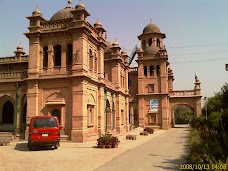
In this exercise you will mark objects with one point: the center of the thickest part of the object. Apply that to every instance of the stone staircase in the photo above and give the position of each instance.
(6, 135)
(64, 138)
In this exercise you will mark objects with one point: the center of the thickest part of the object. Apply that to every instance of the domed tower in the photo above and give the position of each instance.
(152, 78)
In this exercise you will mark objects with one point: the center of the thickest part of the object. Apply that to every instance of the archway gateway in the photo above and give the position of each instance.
(8, 113)
(183, 114)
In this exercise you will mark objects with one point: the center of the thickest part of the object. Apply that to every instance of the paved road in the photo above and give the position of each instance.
(69, 156)
(165, 152)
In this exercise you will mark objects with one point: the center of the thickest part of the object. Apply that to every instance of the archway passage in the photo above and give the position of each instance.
(57, 113)
(183, 114)
(8, 113)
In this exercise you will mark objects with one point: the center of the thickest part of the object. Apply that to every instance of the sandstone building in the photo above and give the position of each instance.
(73, 72)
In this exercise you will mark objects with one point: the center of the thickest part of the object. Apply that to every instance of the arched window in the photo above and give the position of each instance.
(151, 70)
(158, 70)
(158, 42)
(90, 60)
(57, 113)
(8, 113)
(69, 54)
(150, 41)
(57, 55)
(95, 60)
(45, 56)
(143, 44)
(145, 70)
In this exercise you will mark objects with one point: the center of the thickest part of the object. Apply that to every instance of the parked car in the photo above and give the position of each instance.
(44, 131)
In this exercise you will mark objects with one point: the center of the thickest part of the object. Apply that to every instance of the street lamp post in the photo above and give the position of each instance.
(205, 98)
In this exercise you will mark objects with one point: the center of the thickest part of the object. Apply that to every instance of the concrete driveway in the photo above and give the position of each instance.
(163, 153)
(87, 157)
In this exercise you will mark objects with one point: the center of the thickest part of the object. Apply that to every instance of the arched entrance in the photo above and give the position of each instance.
(57, 113)
(8, 113)
(182, 114)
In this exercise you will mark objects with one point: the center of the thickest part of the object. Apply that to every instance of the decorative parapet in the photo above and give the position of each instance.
(21, 74)
(182, 93)
(13, 59)
(55, 25)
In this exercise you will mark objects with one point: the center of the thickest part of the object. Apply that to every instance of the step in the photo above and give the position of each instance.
(153, 126)
(6, 135)
(64, 138)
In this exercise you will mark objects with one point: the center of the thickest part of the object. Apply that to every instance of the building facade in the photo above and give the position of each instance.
(66, 74)
(153, 100)
(73, 72)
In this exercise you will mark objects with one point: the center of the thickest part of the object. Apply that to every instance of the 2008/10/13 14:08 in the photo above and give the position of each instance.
(202, 166)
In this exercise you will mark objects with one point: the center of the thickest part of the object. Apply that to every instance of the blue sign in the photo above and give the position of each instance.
(154, 105)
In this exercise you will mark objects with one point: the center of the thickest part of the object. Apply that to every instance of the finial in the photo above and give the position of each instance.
(97, 19)
(80, 1)
(196, 76)
(150, 20)
(69, 3)
(115, 39)
(37, 7)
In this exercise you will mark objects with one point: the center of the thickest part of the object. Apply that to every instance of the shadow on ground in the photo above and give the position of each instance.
(24, 147)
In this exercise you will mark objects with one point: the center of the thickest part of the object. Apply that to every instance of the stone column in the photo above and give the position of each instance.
(132, 115)
(109, 120)
(63, 59)
(100, 62)
(141, 112)
(50, 58)
(118, 114)
(42, 59)
(164, 112)
(101, 111)
(32, 103)
(127, 114)
(79, 111)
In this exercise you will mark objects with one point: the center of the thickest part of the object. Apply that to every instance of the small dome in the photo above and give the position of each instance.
(62, 14)
(124, 53)
(36, 11)
(151, 28)
(152, 50)
(115, 44)
(98, 24)
(19, 47)
(80, 6)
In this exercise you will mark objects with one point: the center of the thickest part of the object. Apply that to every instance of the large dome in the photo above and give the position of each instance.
(62, 14)
(151, 28)
(152, 50)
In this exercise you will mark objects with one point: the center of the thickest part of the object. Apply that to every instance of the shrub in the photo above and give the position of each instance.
(115, 140)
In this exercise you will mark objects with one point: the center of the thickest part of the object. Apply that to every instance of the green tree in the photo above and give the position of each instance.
(183, 115)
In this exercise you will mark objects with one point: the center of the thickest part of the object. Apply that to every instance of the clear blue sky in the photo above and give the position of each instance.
(196, 31)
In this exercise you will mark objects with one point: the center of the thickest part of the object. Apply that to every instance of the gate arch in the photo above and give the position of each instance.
(177, 106)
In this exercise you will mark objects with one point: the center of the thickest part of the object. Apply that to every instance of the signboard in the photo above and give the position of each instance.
(154, 105)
